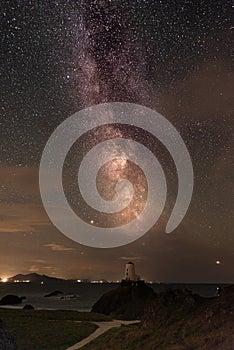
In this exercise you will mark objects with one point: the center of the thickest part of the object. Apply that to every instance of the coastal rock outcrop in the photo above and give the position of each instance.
(28, 307)
(179, 320)
(55, 293)
(11, 299)
(169, 306)
(128, 301)
(204, 323)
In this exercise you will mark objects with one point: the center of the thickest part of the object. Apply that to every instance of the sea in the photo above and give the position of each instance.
(82, 296)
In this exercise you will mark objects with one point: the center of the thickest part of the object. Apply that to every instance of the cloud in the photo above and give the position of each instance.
(16, 180)
(39, 261)
(33, 268)
(20, 204)
(132, 258)
(21, 217)
(41, 269)
(58, 247)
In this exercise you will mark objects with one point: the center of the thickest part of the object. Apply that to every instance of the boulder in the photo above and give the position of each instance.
(11, 300)
(28, 307)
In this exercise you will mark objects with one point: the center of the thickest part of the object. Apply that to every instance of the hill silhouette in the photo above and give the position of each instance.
(34, 277)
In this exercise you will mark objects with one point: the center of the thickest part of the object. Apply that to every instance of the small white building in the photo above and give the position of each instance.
(130, 274)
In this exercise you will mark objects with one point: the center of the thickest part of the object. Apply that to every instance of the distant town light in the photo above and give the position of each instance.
(21, 281)
(4, 280)
(218, 262)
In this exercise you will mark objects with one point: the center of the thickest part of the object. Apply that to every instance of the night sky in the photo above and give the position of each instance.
(58, 57)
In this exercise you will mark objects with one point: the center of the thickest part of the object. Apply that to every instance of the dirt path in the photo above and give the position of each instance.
(102, 328)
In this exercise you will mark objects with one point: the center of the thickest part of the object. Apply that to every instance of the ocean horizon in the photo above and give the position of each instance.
(82, 296)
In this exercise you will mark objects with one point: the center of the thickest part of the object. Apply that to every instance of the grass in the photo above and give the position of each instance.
(47, 329)
(177, 328)
(134, 338)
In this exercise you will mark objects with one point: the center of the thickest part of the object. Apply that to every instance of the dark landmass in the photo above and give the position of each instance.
(7, 339)
(34, 277)
(128, 301)
(178, 320)
(53, 294)
(11, 300)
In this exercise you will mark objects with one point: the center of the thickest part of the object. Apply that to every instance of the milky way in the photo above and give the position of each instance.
(110, 57)
(58, 57)
(110, 67)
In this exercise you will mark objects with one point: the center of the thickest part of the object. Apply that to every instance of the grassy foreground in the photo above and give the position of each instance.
(132, 337)
(177, 320)
(49, 330)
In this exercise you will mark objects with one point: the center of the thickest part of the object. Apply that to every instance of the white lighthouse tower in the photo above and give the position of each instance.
(130, 274)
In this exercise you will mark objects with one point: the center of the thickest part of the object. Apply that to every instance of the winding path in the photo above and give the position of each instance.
(102, 328)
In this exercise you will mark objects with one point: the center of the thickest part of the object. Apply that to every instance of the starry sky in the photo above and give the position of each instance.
(58, 57)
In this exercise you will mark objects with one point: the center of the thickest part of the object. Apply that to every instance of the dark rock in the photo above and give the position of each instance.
(70, 297)
(127, 301)
(28, 307)
(169, 307)
(11, 300)
(54, 294)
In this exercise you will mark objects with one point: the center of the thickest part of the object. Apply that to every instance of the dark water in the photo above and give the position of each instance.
(88, 293)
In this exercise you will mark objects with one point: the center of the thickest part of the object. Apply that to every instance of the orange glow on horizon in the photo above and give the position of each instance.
(4, 280)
